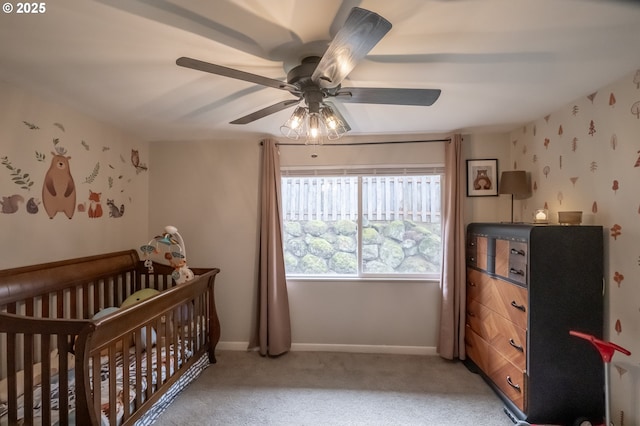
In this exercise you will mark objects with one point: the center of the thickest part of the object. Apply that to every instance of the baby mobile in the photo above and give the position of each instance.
(176, 254)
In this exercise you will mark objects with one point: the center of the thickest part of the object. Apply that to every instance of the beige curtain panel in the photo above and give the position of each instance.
(272, 335)
(452, 280)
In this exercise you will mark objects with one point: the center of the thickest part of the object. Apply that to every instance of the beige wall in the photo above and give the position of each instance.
(586, 156)
(494, 208)
(29, 237)
(210, 192)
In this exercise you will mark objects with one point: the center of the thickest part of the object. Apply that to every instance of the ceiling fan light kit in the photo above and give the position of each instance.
(319, 78)
(313, 125)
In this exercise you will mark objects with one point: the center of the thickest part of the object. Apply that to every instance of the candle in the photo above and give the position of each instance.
(541, 215)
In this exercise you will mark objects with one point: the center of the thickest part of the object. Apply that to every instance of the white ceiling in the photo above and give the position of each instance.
(499, 63)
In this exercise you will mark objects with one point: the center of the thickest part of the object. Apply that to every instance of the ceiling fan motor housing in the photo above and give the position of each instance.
(300, 77)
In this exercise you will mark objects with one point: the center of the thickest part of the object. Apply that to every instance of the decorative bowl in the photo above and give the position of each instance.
(570, 218)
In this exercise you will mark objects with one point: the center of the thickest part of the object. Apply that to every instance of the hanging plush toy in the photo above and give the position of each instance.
(175, 255)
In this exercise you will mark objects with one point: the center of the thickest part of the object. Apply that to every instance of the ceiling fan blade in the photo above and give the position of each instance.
(233, 73)
(272, 109)
(388, 96)
(362, 30)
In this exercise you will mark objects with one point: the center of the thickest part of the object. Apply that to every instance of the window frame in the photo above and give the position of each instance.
(360, 172)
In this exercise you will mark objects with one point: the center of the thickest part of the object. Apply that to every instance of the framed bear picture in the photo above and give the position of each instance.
(482, 178)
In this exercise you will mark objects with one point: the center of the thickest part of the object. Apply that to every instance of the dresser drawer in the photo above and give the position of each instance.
(505, 336)
(508, 377)
(511, 379)
(511, 260)
(477, 348)
(506, 299)
(477, 251)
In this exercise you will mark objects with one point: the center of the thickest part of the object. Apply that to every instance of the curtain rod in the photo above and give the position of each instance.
(362, 143)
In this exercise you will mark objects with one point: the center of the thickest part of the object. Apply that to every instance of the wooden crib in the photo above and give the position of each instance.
(62, 366)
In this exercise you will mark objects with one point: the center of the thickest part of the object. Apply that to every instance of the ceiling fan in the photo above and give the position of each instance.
(318, 79)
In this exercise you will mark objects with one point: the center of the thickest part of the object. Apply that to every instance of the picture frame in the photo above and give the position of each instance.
(482, 177)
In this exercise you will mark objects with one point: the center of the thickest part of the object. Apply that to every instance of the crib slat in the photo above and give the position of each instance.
(138, 350)
(96, 296)
(112, 383)
(159, 339)
(63, 383)
(11, 378)
(28, 375)
(46, 377)
(125, 375)
(95, 374)
(177, 320)
(85, 299)
(60, 304)
(73, 308)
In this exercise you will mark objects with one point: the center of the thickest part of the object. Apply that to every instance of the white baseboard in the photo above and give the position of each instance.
(325, 347)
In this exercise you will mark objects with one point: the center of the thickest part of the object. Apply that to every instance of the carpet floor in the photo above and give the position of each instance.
(328, 388)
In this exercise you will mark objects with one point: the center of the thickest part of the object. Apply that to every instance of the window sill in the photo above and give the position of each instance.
(365, 279)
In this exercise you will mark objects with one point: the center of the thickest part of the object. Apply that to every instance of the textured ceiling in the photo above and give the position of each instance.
(499, 63)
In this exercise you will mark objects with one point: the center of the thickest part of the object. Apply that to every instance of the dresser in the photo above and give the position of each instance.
(527, 286)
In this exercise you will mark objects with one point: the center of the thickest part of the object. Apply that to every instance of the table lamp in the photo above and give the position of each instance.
(515, 183)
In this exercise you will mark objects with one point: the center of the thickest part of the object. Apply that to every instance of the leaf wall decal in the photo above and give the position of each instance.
(616, 231)
(618, 278)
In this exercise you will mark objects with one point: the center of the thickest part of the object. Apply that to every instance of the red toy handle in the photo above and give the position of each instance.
(606, 349)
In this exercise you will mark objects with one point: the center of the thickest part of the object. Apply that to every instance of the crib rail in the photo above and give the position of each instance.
(47, 309)
(22, 335)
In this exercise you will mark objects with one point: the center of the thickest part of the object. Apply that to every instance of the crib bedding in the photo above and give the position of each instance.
(162, 366)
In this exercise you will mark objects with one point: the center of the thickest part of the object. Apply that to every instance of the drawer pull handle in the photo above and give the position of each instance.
(471, 314)
(472, 259)
(513, 385)
(515, 345)
(519, 307)
(516, 271)
(472, 284)
(518, 252)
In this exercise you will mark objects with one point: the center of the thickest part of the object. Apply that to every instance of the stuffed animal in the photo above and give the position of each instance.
(182, 273)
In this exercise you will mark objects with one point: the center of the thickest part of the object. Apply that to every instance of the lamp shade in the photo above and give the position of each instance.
(514, 182)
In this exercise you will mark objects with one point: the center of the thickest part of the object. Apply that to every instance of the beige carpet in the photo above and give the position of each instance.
(326, 388)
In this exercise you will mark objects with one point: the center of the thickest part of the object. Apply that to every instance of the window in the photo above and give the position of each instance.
(362, 223)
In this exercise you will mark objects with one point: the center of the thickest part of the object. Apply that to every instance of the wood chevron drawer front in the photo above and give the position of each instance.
(505, 336)
(526, 287)
(506, 299)
(508, 377)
